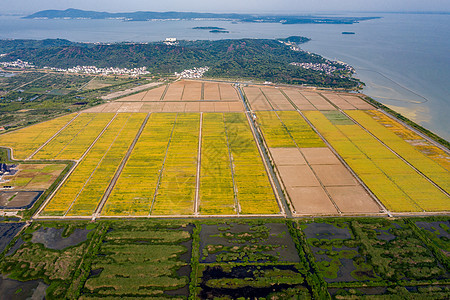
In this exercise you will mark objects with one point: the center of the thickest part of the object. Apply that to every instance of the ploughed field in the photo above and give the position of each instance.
(190, 148)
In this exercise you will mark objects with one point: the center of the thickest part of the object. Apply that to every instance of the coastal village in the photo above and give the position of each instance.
(192, 73)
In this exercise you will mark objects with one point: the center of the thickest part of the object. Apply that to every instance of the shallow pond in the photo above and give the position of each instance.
(326, 231)
(52, 237)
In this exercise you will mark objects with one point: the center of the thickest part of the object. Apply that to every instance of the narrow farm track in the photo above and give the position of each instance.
(119, 171)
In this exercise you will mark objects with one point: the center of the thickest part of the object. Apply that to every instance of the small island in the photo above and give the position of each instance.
(209, 28)
(219, 31)
(348, 32)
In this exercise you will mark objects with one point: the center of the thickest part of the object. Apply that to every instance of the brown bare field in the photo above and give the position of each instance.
(314, 178)
(221, 107)
(320, 156)
(236, 106)
(155, 94)
(166, 106)
(334, 175)
(300, 175)
(107, 107)
(192, 107)
(228, 92)
(357, 102)
(287, 157)
(207, 107)
(317, 100)
(353, 199)
(211, 91)
(256, 99)
(135, 97)
(278, 100)
(152, 107)
(338, 101)
(311, 201)
(95, 109)
(128, 107)
(298, 99)
(175, 91)
(174, 107)
(17, 199)
(192, 91)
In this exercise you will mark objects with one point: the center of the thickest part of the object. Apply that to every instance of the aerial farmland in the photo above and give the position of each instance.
(203, 148)
(222, 190)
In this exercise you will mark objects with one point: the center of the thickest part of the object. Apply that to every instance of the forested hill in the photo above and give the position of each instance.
(245, 58)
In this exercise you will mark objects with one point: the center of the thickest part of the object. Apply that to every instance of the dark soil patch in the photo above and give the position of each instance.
(241, 272)
(95, 273)
(326, 231)
(17, 290)
(345, 271)
(379, 290)
(385, 235)
(186, 257)
(18, 200)
(52, 237)
(435, 226)
(184, 291)
(7, 232)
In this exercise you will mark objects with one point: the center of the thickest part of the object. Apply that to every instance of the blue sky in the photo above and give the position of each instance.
(261, 6)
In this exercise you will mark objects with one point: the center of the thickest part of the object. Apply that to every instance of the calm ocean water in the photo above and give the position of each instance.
(403, 59)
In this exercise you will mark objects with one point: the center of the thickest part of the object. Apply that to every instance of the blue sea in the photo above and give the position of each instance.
(404, 59)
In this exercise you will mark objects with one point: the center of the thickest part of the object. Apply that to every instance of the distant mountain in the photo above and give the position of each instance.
(132, 16)
(149, 16)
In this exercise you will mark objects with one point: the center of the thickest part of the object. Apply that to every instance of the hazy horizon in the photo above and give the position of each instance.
(250, 6)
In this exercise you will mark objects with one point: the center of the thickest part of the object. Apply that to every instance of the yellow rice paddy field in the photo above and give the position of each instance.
(254, 190)
(176, 191)
(80, 195)
(26, 141)
(75, 139)
(209, 163)
(216, 176)
(419, 143)
(134, 192)
(398, 186)
(430, 168)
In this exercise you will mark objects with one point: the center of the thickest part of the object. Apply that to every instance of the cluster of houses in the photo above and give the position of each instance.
(171, 42)
(93, 70)
(192, 73)
(327, 68)
(18, 64)
(7, 170)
